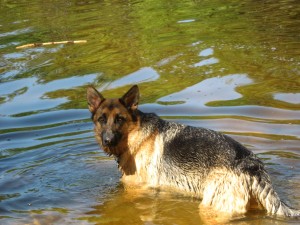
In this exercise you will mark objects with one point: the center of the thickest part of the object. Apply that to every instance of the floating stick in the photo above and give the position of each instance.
(50, 43)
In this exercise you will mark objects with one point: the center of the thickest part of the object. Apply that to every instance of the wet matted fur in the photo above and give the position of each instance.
(200, 162)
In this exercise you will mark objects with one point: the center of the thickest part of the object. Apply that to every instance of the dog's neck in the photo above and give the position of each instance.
(139, 143)
(126, 164)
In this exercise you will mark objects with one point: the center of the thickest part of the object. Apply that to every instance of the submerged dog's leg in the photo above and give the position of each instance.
(227, 191)
(231, 192)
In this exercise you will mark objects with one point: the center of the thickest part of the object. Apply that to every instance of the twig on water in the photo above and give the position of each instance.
(50, 43)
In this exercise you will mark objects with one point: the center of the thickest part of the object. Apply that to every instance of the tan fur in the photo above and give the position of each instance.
(227, 191)
(146, 151)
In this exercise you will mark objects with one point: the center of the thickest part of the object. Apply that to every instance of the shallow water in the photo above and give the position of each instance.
(231, 67)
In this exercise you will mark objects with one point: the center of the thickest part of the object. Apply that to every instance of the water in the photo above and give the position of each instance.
(232, 67)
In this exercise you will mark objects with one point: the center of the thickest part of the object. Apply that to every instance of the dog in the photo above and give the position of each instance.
(200, 162)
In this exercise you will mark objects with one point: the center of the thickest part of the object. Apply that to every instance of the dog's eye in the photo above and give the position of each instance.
(120, 119)
(102, 119)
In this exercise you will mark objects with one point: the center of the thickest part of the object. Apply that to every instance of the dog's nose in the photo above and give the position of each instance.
(107, 138)
(107, 141)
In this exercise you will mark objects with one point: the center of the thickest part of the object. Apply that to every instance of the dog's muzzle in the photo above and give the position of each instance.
(110, 139)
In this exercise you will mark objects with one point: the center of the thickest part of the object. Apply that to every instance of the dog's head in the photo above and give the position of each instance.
(113, 118)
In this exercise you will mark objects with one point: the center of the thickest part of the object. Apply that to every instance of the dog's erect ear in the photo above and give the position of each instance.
(94, 99)
(131, 98)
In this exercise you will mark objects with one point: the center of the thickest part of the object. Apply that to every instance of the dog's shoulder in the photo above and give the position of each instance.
(148, 118)
(152, 122)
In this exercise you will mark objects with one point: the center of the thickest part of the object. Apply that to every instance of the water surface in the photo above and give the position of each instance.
(233, 67)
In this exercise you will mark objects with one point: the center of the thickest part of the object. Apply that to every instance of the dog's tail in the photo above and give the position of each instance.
(263, 192)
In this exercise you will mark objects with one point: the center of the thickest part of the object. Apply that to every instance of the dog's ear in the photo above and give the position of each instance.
(131, 98)
(94, 99)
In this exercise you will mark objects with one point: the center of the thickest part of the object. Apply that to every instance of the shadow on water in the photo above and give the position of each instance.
(232, 67)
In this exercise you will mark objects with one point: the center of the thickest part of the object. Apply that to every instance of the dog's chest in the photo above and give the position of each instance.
(147, 158)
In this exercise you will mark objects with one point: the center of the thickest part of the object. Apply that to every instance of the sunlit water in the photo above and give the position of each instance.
(232, 67)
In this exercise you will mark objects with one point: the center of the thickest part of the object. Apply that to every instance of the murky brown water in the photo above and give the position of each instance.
(232, 67)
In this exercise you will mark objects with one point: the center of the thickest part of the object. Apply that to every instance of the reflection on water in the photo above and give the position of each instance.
(209, 90)
(231, 67)
(142, 75)
(206, 52)
(293, 98)
(206, 62)
(29, 94)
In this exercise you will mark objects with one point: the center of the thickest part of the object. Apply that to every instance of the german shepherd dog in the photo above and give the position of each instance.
(200, 162)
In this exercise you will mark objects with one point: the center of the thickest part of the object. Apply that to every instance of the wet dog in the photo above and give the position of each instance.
(200, 162)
